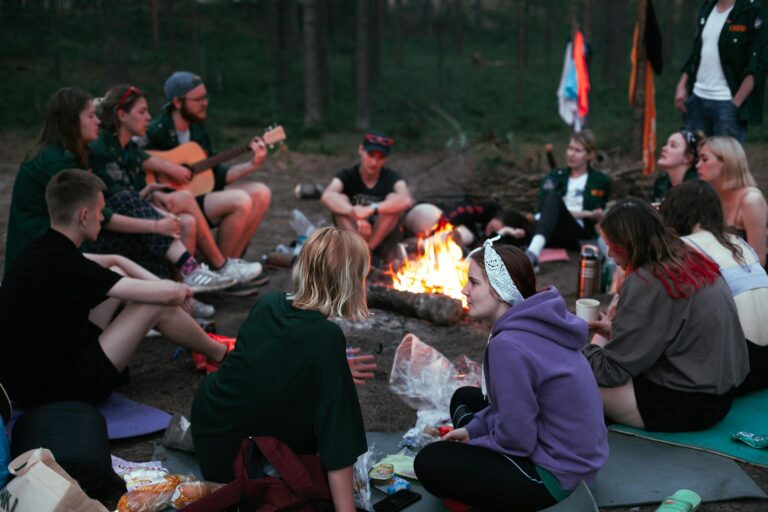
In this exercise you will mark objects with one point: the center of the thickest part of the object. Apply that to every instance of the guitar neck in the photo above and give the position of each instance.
(215, 160)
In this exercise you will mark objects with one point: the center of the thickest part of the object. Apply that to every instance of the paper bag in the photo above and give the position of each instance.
(41, 485)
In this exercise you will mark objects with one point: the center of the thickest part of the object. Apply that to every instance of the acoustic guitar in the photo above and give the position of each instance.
(191, 155)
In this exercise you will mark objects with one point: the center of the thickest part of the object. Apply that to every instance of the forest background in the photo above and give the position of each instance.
(434, 73)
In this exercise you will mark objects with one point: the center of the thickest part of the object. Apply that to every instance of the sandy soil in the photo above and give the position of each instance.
(160, 380)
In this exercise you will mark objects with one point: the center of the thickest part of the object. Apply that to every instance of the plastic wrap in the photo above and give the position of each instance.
(360, 483)
(190, 492)
(150, 497)
(426, 380)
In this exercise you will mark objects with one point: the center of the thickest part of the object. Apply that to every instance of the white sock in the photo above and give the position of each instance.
(537, 244)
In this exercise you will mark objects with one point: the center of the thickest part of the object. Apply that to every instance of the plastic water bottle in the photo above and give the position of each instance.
(300, 224)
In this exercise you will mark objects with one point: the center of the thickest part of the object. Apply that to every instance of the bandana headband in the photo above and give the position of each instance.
(498, 276)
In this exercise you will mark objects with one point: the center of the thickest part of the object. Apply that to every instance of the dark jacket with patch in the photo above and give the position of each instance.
(742, 47)
(596, 193)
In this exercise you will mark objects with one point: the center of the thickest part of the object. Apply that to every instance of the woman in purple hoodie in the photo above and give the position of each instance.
(535, 430)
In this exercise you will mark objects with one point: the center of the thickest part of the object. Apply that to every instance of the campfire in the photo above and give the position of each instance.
(439, 267)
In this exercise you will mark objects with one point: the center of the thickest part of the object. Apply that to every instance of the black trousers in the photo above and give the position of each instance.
(476, 476)
(558, 226)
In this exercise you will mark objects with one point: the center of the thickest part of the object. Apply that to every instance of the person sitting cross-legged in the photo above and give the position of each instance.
(61, 335)
(369, 198)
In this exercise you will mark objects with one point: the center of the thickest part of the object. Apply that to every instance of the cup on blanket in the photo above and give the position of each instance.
(587, 309)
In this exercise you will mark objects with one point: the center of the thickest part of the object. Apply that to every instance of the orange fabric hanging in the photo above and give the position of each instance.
(633, 69)
(649, 123)
(582, 75)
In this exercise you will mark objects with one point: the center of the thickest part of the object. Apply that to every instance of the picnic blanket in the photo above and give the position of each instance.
(125, 418)
(749, 413)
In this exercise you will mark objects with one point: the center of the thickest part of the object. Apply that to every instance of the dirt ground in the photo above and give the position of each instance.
(160, 380)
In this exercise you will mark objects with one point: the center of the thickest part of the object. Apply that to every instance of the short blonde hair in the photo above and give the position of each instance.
(329, 274)
(735, 166)
(587, 139)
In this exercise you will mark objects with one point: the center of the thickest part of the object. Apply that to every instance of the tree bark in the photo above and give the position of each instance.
(312, 116)
(155, 28)
(362, 117)
(291, 30)
(638, 111)
(398, 29)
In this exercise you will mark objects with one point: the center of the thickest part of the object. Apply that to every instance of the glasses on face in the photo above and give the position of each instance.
(378, 139)
(199, 99)
(131, 91)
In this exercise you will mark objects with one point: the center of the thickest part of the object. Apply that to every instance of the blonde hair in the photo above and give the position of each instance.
(735, 167)
(587, 139)
(329, 274)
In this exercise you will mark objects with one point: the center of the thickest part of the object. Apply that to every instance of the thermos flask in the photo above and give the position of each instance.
(589, 272)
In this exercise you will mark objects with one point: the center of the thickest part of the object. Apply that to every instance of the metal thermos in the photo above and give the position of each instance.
(589, 271)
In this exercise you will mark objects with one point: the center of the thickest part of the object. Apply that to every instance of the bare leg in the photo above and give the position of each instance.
(122, 337)
(232, 209)
(620, 404)
(184, 202)
(260, 198)
(381, 228)
(175, 251)
(189, 232)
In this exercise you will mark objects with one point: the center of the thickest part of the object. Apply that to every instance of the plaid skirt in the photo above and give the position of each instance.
(147, 250)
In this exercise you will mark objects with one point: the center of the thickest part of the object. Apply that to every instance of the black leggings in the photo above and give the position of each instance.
(558, 226)
(476, 476)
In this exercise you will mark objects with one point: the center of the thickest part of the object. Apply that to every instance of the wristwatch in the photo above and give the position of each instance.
(375, 207)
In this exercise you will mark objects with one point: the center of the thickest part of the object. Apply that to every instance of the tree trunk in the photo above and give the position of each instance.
(274, 48)
(638, 111)
(669, 39)
(362, 117)
(398, 32)
(522, 37)
(458, 26)
(587, 26)
(321, 15)
(155, 28)
(291, 31)
(312, 115)
(550, 29)
(428, 18)
(478, 16)
(377, 12)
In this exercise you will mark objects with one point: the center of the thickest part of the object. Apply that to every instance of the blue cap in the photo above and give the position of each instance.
(180, 83)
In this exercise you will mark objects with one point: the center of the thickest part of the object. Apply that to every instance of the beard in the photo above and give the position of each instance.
(190, 117)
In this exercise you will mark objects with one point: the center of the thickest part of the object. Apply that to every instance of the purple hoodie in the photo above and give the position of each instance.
(544, 402)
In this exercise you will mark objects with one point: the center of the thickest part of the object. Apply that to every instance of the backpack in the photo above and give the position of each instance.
(302, 484)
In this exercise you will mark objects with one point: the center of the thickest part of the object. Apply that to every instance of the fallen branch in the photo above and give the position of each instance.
(436, 308)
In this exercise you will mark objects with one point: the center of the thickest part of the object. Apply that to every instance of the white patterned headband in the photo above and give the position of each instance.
(497, 272)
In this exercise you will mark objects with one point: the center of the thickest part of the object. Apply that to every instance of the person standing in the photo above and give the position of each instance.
(722, 84)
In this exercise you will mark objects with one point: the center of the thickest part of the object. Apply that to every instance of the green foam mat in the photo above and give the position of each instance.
(749, 413)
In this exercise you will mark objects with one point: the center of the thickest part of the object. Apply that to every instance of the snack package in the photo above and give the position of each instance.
(750, 439)
(150, 497)
(189, 492)
(393, 485)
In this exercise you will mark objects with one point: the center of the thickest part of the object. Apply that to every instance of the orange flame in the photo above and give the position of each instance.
(439, 268)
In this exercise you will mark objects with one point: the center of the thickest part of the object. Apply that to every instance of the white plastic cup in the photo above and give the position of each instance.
(587, 309)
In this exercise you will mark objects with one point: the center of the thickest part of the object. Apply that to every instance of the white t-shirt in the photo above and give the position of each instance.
(574, 196)
(183, 137)
(710, 80)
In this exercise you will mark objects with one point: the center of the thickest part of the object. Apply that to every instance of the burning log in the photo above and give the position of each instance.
(436, 308)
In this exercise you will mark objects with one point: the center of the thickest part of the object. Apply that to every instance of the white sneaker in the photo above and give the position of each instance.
(205, 280)
(240, 270)
(202, 310)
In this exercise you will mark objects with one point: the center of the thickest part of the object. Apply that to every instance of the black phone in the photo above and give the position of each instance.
(397, 501)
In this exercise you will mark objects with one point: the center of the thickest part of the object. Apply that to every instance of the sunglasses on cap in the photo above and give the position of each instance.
(127, 94)
(378, 139)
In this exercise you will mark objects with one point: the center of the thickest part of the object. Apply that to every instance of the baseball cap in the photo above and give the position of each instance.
(180, 83)
(378, 141)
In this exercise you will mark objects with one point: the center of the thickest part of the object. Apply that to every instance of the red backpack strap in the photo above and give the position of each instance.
(304, 474)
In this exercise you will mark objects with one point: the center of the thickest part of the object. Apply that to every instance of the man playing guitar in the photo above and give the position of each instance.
(236, 207)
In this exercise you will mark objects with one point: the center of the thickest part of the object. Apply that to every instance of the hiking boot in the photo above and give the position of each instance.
(534, 261)
(202, 310)
(241, 270)
(205, 280)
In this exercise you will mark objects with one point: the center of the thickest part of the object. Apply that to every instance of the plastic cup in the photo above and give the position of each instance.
(587, 309)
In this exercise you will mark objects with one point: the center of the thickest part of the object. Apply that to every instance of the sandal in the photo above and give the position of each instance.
(682, 501)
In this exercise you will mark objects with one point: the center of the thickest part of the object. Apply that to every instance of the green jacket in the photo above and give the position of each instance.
(161, 135)
(596, 193)
(742, 47)
(28, 217)
(662, 184)
(119, 168)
